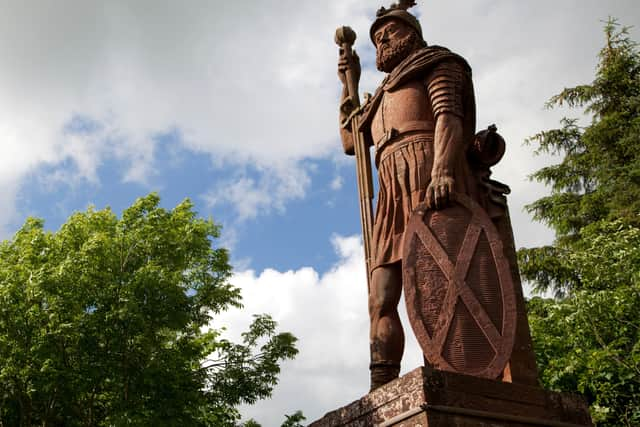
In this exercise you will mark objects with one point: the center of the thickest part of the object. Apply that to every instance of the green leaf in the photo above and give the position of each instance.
(105, 322)
(586, 339)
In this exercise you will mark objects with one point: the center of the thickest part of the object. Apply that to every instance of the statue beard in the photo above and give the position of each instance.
(390, 54)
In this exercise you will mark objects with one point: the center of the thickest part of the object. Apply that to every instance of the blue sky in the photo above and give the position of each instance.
(234, 105)
(287, 237)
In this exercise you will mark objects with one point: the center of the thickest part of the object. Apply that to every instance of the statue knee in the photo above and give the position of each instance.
(386, 287)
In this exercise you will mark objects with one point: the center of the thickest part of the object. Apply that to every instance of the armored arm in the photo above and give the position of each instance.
(445, 86)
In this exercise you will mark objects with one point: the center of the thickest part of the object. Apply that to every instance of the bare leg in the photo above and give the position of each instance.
(386, 337)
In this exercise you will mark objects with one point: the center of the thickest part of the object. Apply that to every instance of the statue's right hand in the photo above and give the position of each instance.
(344, 64)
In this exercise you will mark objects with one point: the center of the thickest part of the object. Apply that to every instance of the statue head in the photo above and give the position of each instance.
(395, 33)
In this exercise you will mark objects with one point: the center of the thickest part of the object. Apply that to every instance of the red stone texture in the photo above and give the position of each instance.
(459, 289)
(430, 398)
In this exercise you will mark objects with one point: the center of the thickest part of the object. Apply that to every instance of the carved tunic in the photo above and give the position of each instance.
(401, 124)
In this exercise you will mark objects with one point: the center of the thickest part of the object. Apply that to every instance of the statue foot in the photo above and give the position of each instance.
(383, 372)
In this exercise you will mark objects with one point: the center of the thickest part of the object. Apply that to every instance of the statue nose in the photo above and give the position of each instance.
(382, 37)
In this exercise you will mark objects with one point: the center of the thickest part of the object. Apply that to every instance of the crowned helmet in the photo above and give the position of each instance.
(396, 11)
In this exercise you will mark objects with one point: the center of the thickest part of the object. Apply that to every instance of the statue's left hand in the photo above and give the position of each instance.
(439, 191)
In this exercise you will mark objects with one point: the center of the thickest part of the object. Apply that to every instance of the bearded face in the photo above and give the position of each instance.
(393, 47)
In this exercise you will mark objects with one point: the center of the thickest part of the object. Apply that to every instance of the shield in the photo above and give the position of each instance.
(459, 289)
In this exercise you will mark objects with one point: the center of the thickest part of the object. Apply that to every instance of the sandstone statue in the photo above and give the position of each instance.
(441, 228)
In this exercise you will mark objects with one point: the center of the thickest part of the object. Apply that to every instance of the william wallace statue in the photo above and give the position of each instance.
(441, 228)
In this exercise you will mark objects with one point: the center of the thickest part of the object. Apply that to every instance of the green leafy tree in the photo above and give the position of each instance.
(587, 338)
(105, 323)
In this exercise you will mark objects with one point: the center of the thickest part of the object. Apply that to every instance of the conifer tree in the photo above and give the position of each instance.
(587, 338)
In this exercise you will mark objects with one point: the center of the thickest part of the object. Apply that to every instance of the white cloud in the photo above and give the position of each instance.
(250, 196)
(328, 314)
(336, 183)
(254, 83)
(235, 79)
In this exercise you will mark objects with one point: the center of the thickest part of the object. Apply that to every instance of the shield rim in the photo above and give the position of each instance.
(432, 354)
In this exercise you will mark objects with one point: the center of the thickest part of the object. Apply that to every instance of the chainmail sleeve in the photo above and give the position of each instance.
(445, 86)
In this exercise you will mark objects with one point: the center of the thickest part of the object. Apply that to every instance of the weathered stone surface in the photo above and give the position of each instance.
(441, 230)
(459, 290)
(428, 398)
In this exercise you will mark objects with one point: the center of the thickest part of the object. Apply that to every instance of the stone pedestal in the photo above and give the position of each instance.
(428, 398)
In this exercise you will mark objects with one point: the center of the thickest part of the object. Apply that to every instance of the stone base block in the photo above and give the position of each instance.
(430, 398)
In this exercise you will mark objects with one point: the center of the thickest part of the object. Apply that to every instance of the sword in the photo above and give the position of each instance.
(345, 37)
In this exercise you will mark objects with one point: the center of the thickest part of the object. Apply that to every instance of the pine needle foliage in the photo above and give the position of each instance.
(587, 338)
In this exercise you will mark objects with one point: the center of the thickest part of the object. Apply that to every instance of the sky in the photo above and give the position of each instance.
(234, 105)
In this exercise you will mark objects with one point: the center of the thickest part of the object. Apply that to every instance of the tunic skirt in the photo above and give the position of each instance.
(404, 173)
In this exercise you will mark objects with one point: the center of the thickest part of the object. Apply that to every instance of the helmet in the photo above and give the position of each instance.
(396, 12)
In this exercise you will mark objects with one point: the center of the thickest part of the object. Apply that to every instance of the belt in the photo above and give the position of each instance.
(394, 134)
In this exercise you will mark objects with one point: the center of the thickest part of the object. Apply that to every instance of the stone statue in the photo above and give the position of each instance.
(442, 234)
(441, 228)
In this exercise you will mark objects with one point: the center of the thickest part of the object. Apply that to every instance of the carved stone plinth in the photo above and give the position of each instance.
(428, 398)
